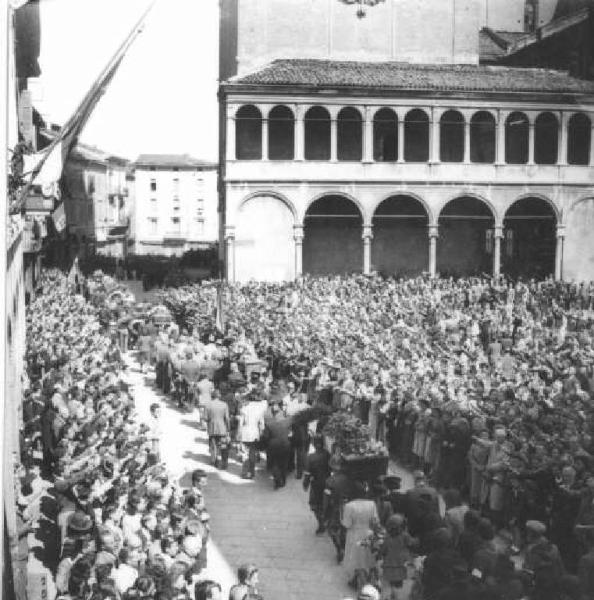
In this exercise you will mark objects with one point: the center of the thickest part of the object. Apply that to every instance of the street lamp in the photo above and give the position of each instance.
(361, 10)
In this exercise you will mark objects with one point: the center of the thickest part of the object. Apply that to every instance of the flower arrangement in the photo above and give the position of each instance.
(351, 436)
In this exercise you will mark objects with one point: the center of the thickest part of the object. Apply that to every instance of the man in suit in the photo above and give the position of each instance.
(276, 434)
(217, 418)
(190, 370)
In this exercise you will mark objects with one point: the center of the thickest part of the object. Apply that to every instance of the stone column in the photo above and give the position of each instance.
(333, 139)
(230, 140)
(559, 253)
(434, 140)
(400, 158)
(298, 237)
(368, 136)
(265, 138)
(230, 252)
(433, 235)
(531, 140)
(562, 143)
(500, 139)
(466, 140)
(299, 140)
(367, 237)
(497, 237)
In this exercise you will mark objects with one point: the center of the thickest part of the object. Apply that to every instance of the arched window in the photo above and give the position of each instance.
(416, 136)
(516, 139)
(451, 137)
(317, 134)
(385, 135)
(349, 134)
(482, 137)
(579, 130)
(248, 133)
(281, 133)
(546, 135)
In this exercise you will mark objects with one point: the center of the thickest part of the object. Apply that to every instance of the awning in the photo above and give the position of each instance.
(119, 230)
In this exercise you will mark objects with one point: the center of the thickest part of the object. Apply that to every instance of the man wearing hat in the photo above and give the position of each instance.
(541, 557)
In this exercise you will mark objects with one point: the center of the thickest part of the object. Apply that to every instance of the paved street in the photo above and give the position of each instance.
(250, 521)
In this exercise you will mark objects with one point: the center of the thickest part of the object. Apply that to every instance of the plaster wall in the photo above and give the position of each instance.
(442, 31)
(578, 251)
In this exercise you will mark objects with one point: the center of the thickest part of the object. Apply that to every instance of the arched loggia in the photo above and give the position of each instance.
(332, 242)
(463, 247)
(529, 238)
(400, 241)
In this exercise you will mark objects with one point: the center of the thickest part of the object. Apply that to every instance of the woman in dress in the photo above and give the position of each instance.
(359, 518)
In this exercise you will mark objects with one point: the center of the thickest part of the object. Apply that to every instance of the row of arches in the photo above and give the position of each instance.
(400, 242)
(456, 144)
(400, 239)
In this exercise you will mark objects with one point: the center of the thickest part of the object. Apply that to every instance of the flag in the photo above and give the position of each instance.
(219, 311)
(59, 218)
(45, 168)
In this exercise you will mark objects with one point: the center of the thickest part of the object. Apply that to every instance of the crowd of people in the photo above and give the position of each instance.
(484, 387)
(121, 527)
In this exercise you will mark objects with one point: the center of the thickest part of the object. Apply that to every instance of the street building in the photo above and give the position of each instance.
(383, 144)
(175, 204)
(97, 201)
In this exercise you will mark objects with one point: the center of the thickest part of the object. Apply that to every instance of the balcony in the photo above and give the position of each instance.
(389, 172)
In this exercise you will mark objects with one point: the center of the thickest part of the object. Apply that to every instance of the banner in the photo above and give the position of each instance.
(59, 218)
(45, 168)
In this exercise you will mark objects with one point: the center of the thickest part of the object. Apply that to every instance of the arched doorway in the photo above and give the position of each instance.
(529, 239)
(248, 133)
(400, 243)
(546, 132)
(416, 136)
(281, 133)
(451, 137)
(579, 131)
(264, 245)
(517, 136)
(463, 246)
(332, 241)
(385, 135)
(317, 133)
(349, 132)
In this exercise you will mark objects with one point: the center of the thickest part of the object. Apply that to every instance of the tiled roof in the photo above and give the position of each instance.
(171, 160)
(407, 76)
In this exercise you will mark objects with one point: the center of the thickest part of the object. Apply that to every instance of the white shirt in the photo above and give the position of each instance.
(124, 577)
(252, 421)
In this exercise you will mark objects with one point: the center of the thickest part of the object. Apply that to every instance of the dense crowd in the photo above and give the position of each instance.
(484, 387)
(121, 527)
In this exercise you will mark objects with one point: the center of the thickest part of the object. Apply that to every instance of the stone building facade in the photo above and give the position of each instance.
(399, 163)
(335, 167)
(175, 205)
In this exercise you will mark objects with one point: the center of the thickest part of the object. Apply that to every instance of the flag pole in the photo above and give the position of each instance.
(89, 97)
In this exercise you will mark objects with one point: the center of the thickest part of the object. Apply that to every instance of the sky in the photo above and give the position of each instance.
(163, 98)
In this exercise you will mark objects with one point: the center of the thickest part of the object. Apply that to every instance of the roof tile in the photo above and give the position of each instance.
(395, 75)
